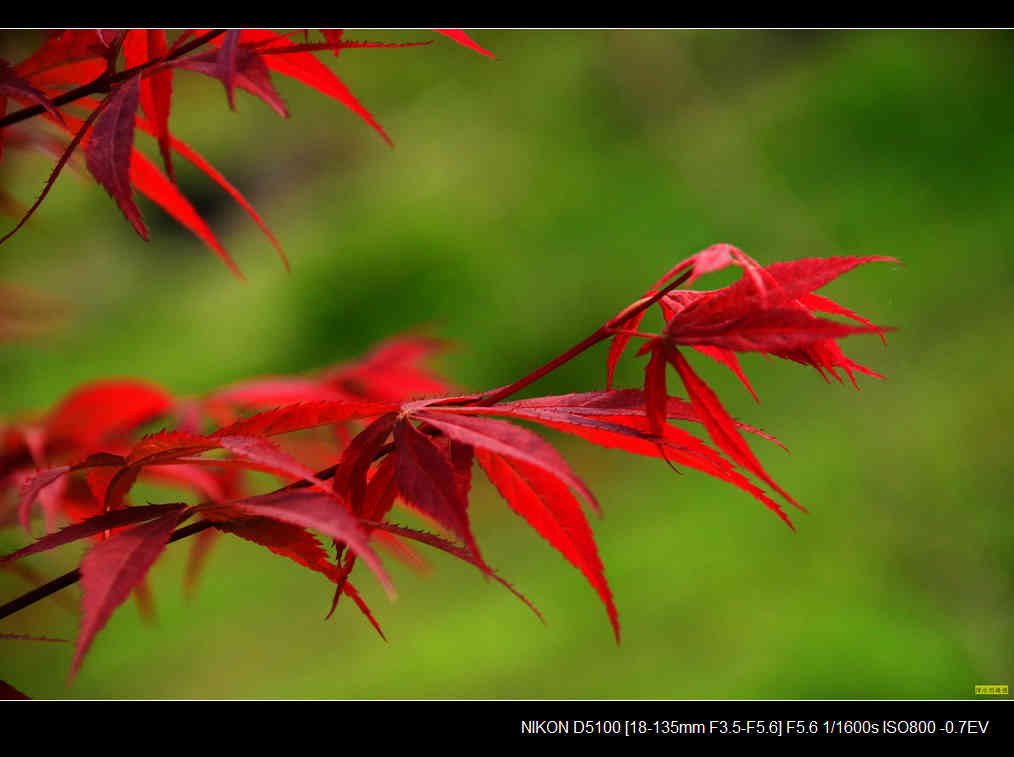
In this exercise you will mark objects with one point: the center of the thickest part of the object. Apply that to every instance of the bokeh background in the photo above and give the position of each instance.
(527, 200)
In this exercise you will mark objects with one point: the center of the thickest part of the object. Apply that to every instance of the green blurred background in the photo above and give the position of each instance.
(527, 200)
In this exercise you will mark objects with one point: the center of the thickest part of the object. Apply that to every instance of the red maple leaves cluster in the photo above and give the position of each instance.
(390, 445)
(135, 70)
(349, 444)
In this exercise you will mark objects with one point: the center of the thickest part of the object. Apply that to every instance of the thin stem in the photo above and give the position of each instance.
(104, 82)
(604, 332)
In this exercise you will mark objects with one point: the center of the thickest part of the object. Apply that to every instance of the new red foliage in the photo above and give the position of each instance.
(419, 451)
(384, 430)
(71, 65)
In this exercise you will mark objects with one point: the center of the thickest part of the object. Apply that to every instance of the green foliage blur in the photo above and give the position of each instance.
(526, 201)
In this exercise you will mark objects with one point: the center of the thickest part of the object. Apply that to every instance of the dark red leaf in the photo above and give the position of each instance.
(8, 692)
(426, 480)
(236, 66)
(506, 439)
(111, 145)
(227, 64)
(287, 540)
(304, 67)
(110, 571)
(321, 513)
(350, 477)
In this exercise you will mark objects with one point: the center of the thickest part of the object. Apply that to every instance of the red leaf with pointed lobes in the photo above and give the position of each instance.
(110, 147)
(304, 67)
(239, 67)
(147, 180)
(618, 403)
(721, 427)
(631, 433)
(110, 571)
(552, 510)
(426, 480)
(509, 440)
(783, 283)
(773, 330)
(814, 302)
(319, 512)
(287, 540)
(461, 38)
(628, 430)
(729, 359)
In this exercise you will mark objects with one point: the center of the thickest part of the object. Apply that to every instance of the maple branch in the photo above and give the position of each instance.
(604, 332)
(104, 82)
(488, 398)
